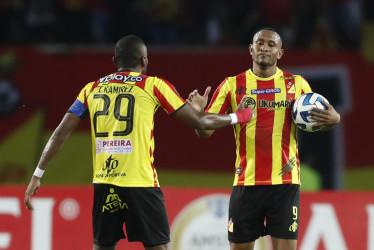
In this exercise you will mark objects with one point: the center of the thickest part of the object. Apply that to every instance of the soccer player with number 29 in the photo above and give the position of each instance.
(121, 107)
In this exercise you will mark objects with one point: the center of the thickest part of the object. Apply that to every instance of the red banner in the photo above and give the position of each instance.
(198, 218)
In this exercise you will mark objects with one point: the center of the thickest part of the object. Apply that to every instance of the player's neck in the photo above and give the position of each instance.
(124, 69)
(264, 71)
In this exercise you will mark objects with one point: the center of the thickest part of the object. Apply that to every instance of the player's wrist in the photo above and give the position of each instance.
(38, 172)
(234, 118)
(244, 115)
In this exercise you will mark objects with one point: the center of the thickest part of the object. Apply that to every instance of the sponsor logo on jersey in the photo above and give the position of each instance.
(265, 91)
(250, 102)
(273, 105)
(114, 146)
(122, 78)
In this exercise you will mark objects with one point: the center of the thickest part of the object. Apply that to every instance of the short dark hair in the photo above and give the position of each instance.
(128, 51)
(269, 29)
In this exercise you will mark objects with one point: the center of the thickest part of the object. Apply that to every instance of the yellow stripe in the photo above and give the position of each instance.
(250, 134)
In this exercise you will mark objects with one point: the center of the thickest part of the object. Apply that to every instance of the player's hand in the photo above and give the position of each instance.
(32, 189)
(325, 118)
(245, 114)
(197, 101)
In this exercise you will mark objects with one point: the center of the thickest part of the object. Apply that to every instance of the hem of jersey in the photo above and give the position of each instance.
(127, 185)
(179, 108)
(264, 184)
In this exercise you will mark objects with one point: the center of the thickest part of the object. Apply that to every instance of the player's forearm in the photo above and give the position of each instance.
(52, 147)
(204, 133)
(58, 138)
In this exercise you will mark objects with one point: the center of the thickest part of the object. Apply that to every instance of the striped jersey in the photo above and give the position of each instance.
(269, 141)
(121, 107)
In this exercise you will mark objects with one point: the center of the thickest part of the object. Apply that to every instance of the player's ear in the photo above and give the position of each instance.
(280, 54)
(250, 49)
(143, 61)
(114, 61)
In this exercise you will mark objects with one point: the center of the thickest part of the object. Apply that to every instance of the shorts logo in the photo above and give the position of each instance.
(265, 91)
(231, 226)
(294, 225)
(113, 203)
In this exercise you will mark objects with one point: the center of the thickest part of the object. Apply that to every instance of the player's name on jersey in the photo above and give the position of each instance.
(107, 89)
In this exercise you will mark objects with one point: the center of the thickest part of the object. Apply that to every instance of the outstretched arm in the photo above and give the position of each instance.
(209, 121)
(325, 118)
(59, 136)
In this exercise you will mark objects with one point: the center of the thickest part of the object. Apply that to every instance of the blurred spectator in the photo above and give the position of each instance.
(303, 24)
(9, 94)
(73, 22)
(40, 20)
(12, 14)
(163, 21)
(329, 24)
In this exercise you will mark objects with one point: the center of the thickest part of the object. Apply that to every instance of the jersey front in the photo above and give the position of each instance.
(269, 141)
(121, 107)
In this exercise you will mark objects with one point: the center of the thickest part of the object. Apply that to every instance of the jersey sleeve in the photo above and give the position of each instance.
(220, 102)
(166, 95)
(80, 107)
(305, 87)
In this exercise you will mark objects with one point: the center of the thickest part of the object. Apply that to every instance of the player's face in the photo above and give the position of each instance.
(266, 48)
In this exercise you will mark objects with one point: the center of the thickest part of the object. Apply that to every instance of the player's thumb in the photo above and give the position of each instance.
(207, 91)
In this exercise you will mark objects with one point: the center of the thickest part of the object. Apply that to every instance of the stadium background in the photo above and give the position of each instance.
(50, 49)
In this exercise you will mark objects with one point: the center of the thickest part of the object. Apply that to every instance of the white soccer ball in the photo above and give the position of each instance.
(300, 111)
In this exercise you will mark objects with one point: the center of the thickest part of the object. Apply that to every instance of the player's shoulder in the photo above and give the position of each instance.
(288, 76)
(234, 78)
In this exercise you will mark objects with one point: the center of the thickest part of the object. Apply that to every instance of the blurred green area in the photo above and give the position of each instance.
(73, 164)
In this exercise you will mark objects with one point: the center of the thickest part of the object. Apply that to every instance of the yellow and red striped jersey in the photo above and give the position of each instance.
(121, 108)
(269, 141)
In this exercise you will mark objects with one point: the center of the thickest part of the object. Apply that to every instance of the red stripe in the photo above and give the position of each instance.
(241, 85)
(226, 104)
(173, 88)
(264, 132)
(163, 101)
(153, 166)
(286, 133)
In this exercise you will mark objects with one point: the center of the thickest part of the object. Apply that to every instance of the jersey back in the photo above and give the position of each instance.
(121, 107)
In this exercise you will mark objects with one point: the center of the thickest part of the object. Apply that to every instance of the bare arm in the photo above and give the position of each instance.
(54, 144)
(204, 121)
(325, 118)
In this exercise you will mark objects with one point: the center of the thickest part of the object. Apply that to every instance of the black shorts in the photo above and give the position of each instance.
(251, 207)
(141, 209)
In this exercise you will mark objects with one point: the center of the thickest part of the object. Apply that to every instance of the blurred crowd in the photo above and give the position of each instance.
(325, 24)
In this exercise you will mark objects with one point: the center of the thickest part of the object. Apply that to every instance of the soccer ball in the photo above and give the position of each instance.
(300, 111)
